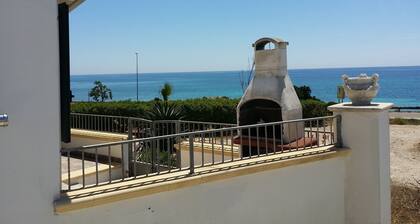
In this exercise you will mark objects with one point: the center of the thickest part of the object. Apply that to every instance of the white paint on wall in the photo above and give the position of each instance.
(29, 94)
(306, 193)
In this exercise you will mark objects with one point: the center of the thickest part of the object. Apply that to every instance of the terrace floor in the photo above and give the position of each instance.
(75, 164)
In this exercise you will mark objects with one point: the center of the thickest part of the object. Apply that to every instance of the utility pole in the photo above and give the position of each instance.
(137, 74)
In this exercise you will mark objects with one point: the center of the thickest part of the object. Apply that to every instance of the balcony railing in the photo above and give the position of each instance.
(139, 127)
(197, 144)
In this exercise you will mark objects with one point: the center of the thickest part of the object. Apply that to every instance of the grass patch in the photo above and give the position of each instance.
(404, 121)
(405, 203)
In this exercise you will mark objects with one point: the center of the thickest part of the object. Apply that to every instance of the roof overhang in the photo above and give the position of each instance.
(71, 3)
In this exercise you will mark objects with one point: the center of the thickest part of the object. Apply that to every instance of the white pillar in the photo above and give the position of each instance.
(365, 130)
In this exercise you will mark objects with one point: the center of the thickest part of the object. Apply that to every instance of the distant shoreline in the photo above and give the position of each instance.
(221, 71)
(398, 85)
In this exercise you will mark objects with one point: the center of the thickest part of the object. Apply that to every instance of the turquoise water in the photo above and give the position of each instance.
(400, 85)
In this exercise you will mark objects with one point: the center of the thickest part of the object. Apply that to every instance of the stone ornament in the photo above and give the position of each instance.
(361, 89)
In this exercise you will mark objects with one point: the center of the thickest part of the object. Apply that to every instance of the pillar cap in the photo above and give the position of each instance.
(373, 107)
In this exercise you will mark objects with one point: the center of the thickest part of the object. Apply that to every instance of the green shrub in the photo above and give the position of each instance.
(404, 121)
(304, 92)
(116, 108)
(220, 109)
(315, 108)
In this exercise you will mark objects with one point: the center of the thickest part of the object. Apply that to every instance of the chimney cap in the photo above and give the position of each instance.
(260, 43)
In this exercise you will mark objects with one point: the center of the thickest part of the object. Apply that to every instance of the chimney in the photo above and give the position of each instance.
(270, 96)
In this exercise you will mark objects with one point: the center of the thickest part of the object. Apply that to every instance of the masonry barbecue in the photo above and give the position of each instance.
(270, 97)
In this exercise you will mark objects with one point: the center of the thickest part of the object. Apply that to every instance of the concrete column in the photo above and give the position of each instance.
(365, 130)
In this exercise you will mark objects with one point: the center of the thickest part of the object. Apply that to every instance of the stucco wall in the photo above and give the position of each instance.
(306, 193)
(29, 94)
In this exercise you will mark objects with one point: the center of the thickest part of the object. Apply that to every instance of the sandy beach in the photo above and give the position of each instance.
(405, 153)
(405, 173)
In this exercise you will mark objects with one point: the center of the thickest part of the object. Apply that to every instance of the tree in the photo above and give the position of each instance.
(304, 92)
(166, 91)
(100, 92)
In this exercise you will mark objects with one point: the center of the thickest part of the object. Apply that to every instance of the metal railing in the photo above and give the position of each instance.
(188, 151)
(168, 127)
(139, 127)
(406, 109)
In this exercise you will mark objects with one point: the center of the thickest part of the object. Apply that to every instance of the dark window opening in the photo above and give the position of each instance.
(64, 53)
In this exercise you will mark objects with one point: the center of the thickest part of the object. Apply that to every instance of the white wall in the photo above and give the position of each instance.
(366, 131)
(306, 193)
(29, 94)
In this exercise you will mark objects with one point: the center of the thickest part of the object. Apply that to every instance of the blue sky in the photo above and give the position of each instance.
(216, 35)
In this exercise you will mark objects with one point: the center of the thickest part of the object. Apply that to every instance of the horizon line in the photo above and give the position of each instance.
(308, 68)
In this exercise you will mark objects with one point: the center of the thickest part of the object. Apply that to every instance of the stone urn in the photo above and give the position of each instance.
(361, 89)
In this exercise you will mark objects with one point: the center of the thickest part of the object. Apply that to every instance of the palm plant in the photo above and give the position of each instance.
(165, 111)
(166, 91)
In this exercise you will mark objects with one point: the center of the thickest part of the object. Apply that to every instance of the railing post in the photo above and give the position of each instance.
(191, 149)
(177, 140)
(131, 162)
(153, 131)
(339, 142)
(177, 127)
(154, 150)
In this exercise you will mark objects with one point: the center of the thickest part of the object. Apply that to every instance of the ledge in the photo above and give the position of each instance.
(98, 135)
(118, 191)
(208, 148)
(374, 107)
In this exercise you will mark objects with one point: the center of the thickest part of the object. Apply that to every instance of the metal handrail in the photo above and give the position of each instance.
(225, 141)
(111, 116)
(153, 121)
(198, 132)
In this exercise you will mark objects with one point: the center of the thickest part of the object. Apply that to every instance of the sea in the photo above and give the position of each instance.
(399, 85)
